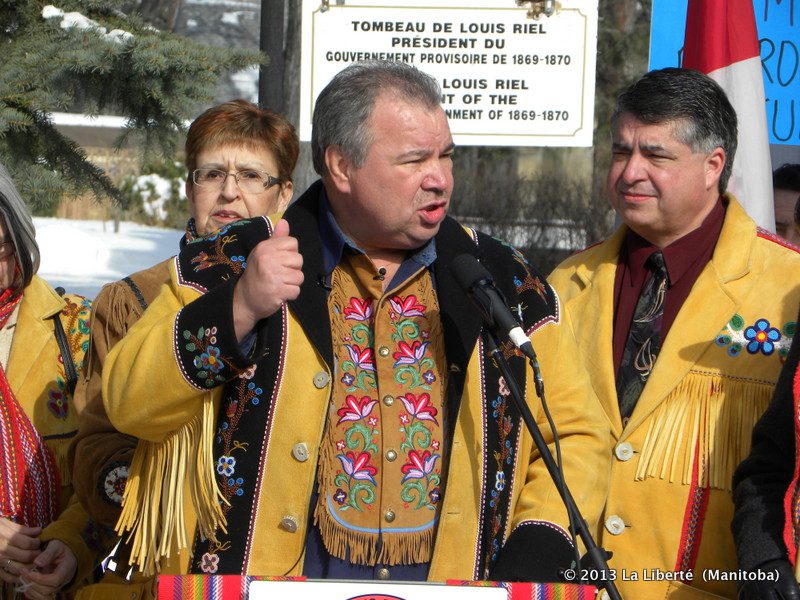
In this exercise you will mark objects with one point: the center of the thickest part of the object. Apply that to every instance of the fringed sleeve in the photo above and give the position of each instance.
(153, 507)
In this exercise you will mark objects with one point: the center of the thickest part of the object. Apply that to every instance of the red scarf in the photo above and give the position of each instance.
(29, 480)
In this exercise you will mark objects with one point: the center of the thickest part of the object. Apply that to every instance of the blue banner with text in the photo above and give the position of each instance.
(778, 23)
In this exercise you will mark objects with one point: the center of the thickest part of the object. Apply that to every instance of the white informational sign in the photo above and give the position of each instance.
(346, 590)
(506, 79)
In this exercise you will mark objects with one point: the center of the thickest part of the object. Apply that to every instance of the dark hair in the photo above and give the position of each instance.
(797, 212)
(19, 224)
(343, 108)
(703, 116)
(786, 177)
(239, 122)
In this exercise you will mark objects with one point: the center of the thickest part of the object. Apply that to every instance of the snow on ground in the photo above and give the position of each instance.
(82, 256)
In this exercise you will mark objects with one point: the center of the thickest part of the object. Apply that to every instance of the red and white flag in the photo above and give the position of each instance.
(722, 41)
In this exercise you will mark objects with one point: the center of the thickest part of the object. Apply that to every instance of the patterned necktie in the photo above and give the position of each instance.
(644, 338)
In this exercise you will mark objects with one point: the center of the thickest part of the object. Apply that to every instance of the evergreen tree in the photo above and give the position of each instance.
(88, 53)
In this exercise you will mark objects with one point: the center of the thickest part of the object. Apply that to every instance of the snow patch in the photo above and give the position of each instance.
(155, 190)
(82, 256)
(231, 18)
(246, 82)
(78, 120)
(226, 3)
(76, 20)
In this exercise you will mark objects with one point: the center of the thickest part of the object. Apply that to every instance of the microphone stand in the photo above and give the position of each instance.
(596, 554)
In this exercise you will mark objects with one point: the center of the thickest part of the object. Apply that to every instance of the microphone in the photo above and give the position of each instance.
(478, 284)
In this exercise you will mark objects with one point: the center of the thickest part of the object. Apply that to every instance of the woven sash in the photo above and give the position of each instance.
(29, 494)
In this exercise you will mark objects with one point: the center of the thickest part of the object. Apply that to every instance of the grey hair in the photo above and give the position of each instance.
(695, 104)
(19, 224)
(343, 108)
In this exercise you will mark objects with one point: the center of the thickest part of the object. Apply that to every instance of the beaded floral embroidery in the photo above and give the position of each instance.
(207, 358)
(759, 338)
(503, 459)
(216, 255)
(113, 484)
(247, 395)
(414, 368)
(75, 319)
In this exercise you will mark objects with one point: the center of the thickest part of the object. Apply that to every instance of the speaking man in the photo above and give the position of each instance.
(328, 377)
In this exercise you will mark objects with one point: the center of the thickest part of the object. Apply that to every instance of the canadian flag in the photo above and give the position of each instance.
(722, 41)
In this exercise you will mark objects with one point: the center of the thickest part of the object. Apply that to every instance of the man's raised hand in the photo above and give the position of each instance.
(273, 276)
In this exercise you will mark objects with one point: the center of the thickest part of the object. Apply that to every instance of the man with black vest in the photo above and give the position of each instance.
(334, 373)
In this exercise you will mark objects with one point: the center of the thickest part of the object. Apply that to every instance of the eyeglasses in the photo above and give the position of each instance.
(249, 180)
(6, 249)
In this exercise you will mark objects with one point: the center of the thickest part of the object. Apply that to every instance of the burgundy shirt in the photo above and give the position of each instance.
(684, 258)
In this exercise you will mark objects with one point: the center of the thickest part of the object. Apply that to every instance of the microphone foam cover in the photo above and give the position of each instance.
(467, 271)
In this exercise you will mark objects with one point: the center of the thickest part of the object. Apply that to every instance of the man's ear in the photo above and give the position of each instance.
(339, 169)
(715, 163)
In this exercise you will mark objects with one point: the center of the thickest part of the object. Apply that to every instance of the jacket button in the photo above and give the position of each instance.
(623, 451)
(321, 379)
(388, 400)
(389, 516)
(300, 452)
(391, 455)
(383, 351)
(289, 523)
(383, 574)
(615, 525)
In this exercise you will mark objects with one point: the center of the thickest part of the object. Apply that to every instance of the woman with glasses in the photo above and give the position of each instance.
(46, 538)
(240, 160)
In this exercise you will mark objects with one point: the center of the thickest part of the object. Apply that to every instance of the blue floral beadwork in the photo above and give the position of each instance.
(761, 337)
(225, 465)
